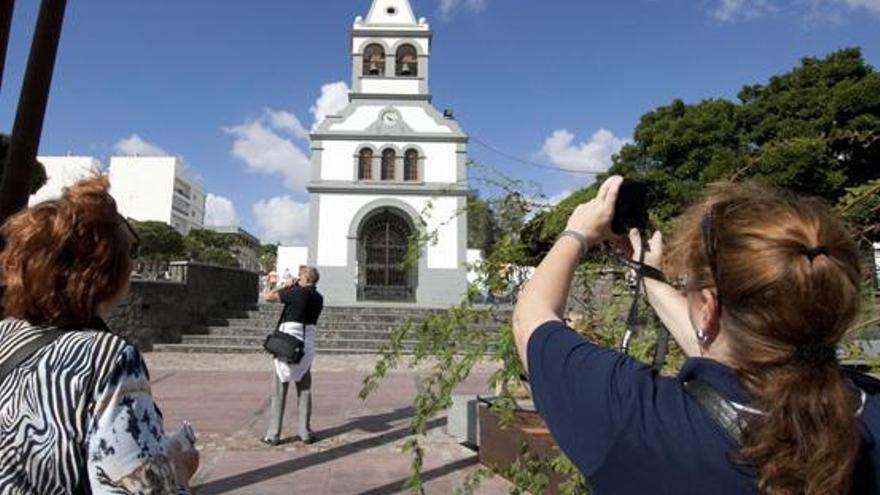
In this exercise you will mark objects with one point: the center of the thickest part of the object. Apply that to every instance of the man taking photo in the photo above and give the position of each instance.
(302, 308)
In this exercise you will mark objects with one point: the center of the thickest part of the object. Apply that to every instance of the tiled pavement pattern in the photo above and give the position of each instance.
(226, 399)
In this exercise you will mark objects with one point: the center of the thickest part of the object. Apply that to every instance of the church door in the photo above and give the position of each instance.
(382, 247)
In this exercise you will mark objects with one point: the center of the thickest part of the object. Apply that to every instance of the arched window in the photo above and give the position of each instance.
(388, 159)
(411, 165)
(374, 60)
(407, 61)
(365, 164)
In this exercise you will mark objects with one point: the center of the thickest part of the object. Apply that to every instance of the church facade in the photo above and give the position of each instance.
(389, 166)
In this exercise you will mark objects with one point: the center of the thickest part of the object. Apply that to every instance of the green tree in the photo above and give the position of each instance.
(861, 207)
(268, 256)
(160, 244)
(814, 130)
(207, 246)
(482, 224)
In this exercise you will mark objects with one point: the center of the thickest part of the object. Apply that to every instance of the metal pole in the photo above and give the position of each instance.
(6, 9)
(15, 186)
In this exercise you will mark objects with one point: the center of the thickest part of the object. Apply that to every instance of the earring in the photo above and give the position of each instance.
(701, 336)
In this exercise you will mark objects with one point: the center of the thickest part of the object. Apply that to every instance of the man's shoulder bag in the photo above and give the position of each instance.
(284, 347)
(287, 348)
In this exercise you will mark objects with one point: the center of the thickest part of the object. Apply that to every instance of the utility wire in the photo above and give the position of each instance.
(530, 163)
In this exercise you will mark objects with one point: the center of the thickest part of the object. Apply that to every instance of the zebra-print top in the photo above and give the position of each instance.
(78, 417)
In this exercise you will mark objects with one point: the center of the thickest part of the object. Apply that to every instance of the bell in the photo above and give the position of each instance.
(374, 69)
(406, 69)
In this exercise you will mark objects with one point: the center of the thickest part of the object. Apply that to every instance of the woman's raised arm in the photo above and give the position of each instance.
(544, 296)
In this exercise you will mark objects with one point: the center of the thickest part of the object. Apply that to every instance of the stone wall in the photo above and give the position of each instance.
(160, 311)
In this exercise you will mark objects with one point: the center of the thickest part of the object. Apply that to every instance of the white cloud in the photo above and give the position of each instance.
(736, 10)
(261, 146)
(220, 211)
(286, 121)
(134, 145)
(808, 10)
(449, 7)
(334, 97)
(872, 6)
(593, 155)
(273, 142)
(281, 219)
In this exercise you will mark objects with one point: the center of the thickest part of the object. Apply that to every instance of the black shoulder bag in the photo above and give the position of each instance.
(280, 345)
(26, 351)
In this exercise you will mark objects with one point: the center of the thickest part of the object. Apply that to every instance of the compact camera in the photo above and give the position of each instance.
(631, 208)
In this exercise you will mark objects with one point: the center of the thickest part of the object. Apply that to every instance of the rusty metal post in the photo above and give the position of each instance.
(25, 141)
(6, 9)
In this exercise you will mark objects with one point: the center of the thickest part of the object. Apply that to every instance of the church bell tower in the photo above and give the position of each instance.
(388, 167)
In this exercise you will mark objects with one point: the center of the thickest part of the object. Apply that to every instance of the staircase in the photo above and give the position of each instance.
(341, 329)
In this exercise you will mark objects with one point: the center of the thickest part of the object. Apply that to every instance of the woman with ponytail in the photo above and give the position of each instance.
(762, 405)
(76, 411)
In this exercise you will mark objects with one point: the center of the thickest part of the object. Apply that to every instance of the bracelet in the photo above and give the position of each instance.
(585, 245)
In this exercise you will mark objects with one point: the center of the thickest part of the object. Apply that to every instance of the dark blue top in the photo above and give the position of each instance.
(632, 431)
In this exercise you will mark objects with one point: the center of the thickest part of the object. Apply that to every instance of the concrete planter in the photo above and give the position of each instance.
(500, 447)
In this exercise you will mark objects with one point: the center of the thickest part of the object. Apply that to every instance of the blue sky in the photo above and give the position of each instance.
(233, 86)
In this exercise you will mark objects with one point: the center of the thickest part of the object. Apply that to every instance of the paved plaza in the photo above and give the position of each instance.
(226, 398)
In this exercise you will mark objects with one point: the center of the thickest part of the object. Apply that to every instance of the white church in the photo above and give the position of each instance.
(388, 166)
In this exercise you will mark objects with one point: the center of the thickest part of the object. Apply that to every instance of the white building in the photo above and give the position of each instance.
(290, 258)
(387, 166)
(61, 172)
(158, 189)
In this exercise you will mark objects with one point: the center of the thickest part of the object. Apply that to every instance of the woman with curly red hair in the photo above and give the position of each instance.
(762, 404)
(76, 414)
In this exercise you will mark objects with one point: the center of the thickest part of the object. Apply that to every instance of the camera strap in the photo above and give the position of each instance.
(643, 271)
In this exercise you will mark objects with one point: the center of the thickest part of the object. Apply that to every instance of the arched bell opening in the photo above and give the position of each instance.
(374, 60)
(407, 61)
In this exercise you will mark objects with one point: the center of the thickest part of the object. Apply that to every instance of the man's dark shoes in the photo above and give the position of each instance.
(308, 439)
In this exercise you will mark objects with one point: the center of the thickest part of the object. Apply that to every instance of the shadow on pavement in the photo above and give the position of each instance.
(377, 423)
(371, 424)
(284, 468)
(397, 486)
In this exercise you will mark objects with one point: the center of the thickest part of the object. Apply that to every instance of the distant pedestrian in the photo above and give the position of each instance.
(302, 308)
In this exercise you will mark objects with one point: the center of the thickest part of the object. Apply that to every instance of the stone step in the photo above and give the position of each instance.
(217, 349)
(328, 315)
(212, 349)
(341, 329)
(257, 342)
(265, 325)
(364, 306)
(275, 310)
(323, 332)
(387, 319)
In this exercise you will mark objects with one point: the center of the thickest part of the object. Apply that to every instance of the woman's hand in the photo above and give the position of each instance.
(185, 462)
(669, 304)
(593, 218)
(654, 254)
